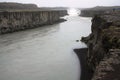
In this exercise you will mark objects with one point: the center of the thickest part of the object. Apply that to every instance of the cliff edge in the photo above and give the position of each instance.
(21, 20)
(103, 57)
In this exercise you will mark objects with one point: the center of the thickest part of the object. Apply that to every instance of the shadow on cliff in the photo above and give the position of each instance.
(86, 74)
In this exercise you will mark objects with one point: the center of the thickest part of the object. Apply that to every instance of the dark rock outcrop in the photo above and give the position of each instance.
(86, 74)
(109, 67)
(103, 57)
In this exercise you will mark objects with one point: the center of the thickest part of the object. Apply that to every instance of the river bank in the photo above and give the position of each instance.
(103, 56)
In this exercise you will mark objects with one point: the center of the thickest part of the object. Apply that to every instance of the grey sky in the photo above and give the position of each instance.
(69, 3)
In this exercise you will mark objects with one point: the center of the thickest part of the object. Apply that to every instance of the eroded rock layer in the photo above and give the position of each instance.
(20, 20)
(103, 43)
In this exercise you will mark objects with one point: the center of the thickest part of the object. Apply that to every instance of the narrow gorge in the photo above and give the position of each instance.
(47, 52)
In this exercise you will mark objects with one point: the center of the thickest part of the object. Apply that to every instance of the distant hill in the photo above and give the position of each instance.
(11, 5)
(90, 12)
(103, 8)
(14, 7)
(54, 8)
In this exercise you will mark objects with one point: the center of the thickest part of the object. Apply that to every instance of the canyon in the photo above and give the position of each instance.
(103, 56)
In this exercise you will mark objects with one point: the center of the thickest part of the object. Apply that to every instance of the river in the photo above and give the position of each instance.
(44, 53)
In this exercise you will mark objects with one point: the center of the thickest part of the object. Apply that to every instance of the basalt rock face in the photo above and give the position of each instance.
(109, 67)
(20, 20)
(103, 43)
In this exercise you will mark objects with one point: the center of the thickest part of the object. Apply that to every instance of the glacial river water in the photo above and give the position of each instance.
(44, 53)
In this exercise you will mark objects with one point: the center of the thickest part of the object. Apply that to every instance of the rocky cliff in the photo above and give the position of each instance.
(20, 20)
(103, 57)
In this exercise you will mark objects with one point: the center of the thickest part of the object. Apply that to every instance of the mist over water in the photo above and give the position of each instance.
(44, 53)
(73, 12)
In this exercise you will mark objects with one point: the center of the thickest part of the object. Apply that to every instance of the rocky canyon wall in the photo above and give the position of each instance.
(103, 57)
(20, 20)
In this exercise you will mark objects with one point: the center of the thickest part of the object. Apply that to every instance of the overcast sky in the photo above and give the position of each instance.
(69, 3)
